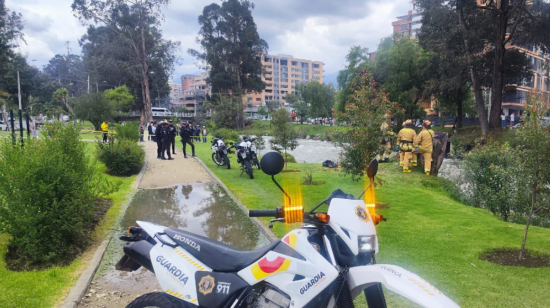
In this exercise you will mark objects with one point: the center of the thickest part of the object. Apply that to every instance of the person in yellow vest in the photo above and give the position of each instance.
(405, 140)
(401, 154)
(423, 144)
(105, 130)
(385, 143)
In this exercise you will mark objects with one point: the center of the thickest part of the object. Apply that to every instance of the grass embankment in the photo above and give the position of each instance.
(48, 288)
(427, 232)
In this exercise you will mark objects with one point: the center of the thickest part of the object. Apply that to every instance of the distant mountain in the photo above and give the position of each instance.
(328, 78)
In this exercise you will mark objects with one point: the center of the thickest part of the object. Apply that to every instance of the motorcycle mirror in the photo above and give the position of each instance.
(272, 163)
(372, 169)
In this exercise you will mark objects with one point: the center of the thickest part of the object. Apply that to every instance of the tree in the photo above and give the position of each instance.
(318, 97)
(364, 114)
(284, 135)
(535, 157)
(136, 25)
(121, 98)
(358, 62)
(231, 49)
(402, 69)
(62, 96)
(300, 107)
(11, 32)
(69, 71)
(95, 108)
(227, 110)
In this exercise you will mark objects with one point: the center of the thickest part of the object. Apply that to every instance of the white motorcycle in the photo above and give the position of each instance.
(326, 263)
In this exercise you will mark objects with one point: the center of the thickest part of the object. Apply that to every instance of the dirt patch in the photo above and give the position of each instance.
(15, 262)
(510, 257)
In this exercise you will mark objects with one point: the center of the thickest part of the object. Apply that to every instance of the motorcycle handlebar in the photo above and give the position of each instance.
(262, 213)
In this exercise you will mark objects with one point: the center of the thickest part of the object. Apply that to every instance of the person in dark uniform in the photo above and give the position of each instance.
(197, 133)
(165, 139)
(186, 134)
(158, 139)
(173, 133)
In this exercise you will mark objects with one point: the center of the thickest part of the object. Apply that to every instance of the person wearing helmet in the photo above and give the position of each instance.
(385, 142)
(186, 134)
(165, 138)
(405, 139)
(423, 144)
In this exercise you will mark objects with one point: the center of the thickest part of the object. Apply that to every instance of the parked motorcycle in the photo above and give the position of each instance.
(220, 152)
(244, 157)
(250, 143)
(327, 262)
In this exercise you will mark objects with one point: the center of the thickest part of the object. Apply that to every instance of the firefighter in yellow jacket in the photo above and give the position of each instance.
(405, 140)
(423, 144)
(385, 143)
(105, 130)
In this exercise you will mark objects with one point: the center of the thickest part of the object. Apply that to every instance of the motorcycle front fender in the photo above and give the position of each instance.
(400, 281)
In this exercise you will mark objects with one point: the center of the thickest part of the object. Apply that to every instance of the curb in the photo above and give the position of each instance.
(77, 292)
(245, 209)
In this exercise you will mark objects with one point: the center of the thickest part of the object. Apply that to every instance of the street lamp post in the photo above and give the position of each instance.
(20, 107)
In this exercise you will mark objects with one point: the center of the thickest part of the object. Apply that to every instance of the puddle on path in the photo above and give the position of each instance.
(201, 208)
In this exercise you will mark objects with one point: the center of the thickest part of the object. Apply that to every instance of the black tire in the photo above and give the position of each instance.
(157, 299)
(248, 169)
(375, 296)
(226, 162)
(217, 160)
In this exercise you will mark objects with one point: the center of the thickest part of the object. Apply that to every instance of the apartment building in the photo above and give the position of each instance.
(282, 73)
(409, 24)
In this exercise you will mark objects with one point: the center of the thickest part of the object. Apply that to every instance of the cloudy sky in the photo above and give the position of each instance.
(321, 30)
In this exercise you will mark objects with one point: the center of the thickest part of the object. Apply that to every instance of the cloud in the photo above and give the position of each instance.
(316, 30)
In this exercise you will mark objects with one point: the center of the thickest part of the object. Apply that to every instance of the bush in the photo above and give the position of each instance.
(122, 158)
(227, 135)
(495, 175)
(47, 192)
(129, 131)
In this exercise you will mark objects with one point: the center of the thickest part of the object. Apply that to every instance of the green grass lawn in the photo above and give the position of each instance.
(427, 232)
(47, 288)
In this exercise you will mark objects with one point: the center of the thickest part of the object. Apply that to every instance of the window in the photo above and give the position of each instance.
(249, 106)
(315, 65)
(295, 63)
(249, 99)
(259, 99)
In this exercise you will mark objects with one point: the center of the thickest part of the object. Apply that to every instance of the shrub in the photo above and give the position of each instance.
(129, 131)
(496, 179)
(47, 191)
(123, 158)
(227, 135)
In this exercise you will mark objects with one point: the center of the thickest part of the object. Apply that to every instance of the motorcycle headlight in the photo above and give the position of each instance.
(366, 244)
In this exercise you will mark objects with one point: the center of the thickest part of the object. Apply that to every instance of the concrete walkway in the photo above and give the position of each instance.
(166, 173)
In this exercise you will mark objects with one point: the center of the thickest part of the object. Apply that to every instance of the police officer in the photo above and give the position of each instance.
(385, 143)
(405, 140)
(424, 145)
(165, 139)
(158, 139)
(186, 134)
(173, 133)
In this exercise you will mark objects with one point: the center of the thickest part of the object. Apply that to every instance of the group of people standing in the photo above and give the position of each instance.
(164, 134)
(409, 145)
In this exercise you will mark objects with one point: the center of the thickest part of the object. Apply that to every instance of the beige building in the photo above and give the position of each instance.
(281, 74)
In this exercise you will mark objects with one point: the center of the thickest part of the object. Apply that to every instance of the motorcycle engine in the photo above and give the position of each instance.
(267, 298)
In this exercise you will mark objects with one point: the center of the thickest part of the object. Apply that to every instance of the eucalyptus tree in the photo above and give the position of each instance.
(231, 49)
(135, 22)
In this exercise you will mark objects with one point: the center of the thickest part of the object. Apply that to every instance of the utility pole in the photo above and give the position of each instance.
(88, 83)
(20, 107)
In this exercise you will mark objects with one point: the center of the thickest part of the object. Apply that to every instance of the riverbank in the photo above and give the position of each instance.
(427, 232)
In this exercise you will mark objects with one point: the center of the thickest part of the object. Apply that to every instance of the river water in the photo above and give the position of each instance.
(311, 151)
(201, 208)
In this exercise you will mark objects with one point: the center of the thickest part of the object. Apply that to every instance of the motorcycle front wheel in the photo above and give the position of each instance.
(226, 162)
(217, 159)
(375, 296)
(248, 168)
(157, 300)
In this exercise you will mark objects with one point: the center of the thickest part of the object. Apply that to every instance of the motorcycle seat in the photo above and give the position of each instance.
(216, 255)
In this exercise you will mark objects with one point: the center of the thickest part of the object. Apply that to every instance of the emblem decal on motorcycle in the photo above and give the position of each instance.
(264, 267)
(172, 269)
(291, 240)
(361, 213)
(313, 282)
(206, 285)
(188, 242)
(391, 270)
